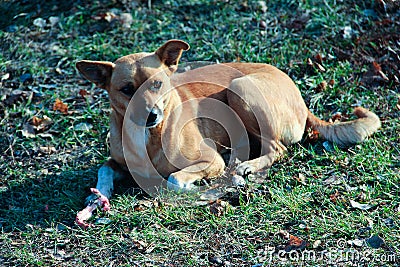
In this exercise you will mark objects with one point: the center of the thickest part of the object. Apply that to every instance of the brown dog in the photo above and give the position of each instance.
(175, 126)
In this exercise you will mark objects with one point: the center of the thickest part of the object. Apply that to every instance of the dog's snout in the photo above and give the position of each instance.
(154, 117)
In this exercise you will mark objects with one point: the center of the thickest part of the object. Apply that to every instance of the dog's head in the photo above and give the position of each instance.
(145, 77)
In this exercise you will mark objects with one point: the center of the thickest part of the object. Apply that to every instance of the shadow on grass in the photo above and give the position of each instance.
(50, 201)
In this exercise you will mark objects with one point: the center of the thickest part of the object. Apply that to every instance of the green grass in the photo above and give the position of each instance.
(41, 193)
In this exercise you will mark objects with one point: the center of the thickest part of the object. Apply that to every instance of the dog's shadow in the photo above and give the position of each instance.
(52, 201)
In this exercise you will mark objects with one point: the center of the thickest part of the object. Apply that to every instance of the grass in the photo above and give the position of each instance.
(41, 191)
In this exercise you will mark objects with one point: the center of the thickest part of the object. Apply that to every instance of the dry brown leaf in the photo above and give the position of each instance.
(337, 117)
(140, 245)
(217, 207)
(376, 66)
(36, 121)
(334, 197)
(318, 58)
(295, 243)
(378, 70)
(40, 124)
(301, 178)
(83, 93)
(312, 135)
(321, 86)
(60, 106)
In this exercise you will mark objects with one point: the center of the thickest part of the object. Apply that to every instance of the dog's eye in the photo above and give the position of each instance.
(156, 86)
(128, 89)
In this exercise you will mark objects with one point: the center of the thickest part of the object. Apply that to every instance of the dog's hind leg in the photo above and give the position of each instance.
(107, 174)
(271, 150)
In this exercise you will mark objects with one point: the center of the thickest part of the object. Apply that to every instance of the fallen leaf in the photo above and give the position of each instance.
(398, 103)
(103, 221)
(320, 67)
(299, 22)
(216, 260)
(40, 124)
(375, 241)
(313, 135)
(108, 16)
(318, 58)
(316, 244)
(378, 70)
(284, 234)
(263, 6)
(348, 32)
(54, 21)
(376, 67)
(295, 243)
(328, 146)
(83, 127)
(217, 207)
(17, 95)
(332, 180)
(39, 22)
(28, 131)
(357, 205)
(356, 242)
(47, 149)
(83, 93)
(140, 245)
(144, 204)
(126, 20)
(5, 76)
(337, 117)
(238, 181)
(262, 24)
(301, 178)
(36, 121)
(389, 222)
(334, 197)
(321, 86)
(60, 106)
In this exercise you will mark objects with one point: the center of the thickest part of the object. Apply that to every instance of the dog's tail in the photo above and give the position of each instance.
(349, 132)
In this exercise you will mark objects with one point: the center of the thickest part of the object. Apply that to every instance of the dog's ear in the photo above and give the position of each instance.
(170, 53)
(98, 72)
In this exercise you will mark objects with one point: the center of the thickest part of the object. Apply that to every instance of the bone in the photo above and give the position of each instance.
(86, 213)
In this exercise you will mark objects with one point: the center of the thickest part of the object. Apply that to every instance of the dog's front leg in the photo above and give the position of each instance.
(183, 180)
(107, 174)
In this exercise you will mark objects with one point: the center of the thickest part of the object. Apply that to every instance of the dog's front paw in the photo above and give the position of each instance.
(178, 186)
(238, 181)
(244, 169)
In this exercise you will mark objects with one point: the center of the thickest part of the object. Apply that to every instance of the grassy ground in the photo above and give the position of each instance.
(339, 53)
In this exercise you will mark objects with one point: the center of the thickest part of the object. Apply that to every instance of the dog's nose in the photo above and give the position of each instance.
(154, 117)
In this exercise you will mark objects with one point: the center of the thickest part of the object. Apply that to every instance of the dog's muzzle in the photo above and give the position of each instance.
(155, 117)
